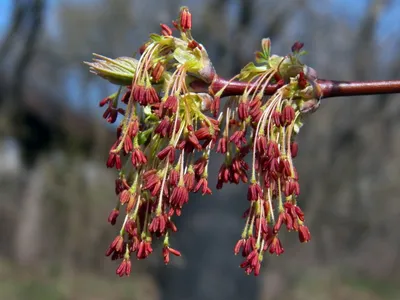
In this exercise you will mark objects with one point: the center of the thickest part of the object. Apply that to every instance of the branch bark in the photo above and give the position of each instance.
(329, 88)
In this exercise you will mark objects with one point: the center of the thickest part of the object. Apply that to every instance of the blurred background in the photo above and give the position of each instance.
(56, 193)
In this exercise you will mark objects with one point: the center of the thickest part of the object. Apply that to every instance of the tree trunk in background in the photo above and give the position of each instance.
(207, 232)
(28, 238)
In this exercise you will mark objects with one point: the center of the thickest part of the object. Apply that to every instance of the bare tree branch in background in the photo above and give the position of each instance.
(34, 28)
(20, 11)
(246, 11)
(365, 43)
(27, 21)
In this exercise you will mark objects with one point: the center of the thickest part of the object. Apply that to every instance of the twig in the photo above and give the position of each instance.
(329, 88)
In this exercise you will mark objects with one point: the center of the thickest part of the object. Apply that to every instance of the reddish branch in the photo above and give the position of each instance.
(330, 88)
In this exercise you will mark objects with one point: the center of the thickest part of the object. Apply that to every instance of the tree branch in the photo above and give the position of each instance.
(332, 88)
(18, 18)
(329, 88)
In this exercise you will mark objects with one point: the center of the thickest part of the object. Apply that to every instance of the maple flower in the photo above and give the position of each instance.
(168, 130)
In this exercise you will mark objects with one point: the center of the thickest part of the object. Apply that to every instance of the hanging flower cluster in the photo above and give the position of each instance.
(169, 129)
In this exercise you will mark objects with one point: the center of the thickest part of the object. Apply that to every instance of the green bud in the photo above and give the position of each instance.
(119, 71)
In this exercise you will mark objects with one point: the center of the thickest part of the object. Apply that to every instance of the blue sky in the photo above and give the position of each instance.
(6, 7)
(351, 9)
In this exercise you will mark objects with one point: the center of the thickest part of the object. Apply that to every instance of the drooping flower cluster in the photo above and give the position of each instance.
(164, 141)
(271, 124)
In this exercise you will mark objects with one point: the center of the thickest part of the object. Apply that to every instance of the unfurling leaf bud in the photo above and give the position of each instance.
(119, 71)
